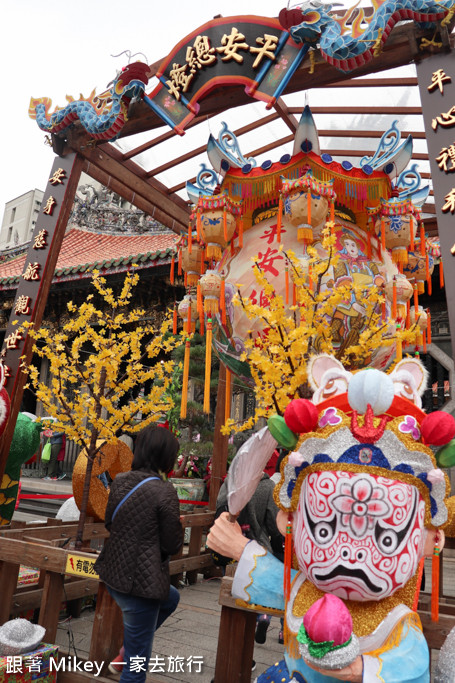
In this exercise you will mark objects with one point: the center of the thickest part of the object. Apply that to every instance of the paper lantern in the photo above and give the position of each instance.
(306, 203)
(192, 262)
(399, 291)
(353, 265)
(210, 285)
(396, 226)
(421, 318)
(416, 268)
(187, 310)
(397, 235)
(217, 218)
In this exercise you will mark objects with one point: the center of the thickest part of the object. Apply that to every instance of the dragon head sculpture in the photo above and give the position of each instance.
(306, 21)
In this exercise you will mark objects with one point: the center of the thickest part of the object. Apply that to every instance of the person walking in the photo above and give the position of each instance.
(56, 440)
(257, 521)
(143, 518)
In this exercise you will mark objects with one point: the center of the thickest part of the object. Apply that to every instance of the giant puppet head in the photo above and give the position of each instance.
(363, 486)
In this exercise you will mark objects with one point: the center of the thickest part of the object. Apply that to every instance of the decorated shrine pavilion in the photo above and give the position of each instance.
(218, 67)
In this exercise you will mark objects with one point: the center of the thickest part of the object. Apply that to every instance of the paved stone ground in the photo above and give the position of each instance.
(192, 631)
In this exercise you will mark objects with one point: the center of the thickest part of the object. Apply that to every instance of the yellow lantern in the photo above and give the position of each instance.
(416, 269)
(187, 310)
(396, 227)
(399, 291)
(192, 262)
(306, 203)
(421, 318)
(210, 284)
(217, 215)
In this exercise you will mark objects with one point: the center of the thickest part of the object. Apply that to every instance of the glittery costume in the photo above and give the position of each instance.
(258, 581)
(362, 488)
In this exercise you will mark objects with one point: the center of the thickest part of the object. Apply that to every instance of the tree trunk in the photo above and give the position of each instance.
(90, 458)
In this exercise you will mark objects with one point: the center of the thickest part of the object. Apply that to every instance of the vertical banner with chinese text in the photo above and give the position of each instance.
(436, 77)
(35, 281)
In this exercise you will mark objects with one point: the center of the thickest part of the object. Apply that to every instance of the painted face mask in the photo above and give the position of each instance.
(358, 535)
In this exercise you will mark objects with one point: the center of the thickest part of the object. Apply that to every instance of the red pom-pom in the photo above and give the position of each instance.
(301, 416)
(438, 428)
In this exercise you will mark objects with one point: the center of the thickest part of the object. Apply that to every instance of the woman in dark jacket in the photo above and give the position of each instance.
(142, 515)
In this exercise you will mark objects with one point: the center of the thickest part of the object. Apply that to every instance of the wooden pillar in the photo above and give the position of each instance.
(220, 442)
(9, 573)
(234, 655)
(51, 603)
(35, 282)
(107, 633)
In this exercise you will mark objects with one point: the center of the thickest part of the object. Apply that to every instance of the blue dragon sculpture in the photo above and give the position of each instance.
(104, 115)
(312, 22)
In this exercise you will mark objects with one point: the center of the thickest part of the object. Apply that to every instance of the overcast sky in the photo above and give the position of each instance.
(56, 48)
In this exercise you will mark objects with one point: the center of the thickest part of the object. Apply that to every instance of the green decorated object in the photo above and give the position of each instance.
(281, 432)
(24, 444)
(445, 457)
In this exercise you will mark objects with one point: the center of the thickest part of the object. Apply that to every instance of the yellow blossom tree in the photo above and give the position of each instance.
(98, 357)
(294, 331)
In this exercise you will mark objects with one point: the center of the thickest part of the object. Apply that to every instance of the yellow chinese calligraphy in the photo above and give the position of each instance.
(49, 207)
(201, 54)
(40, 240)
(12, 340)
(268, 44)
(446, 156)
(232, 43)
(58, 177)
(32, 271)
(445, 120)
(438, 79)
(179, 80)
(22, 305)
(450, 202)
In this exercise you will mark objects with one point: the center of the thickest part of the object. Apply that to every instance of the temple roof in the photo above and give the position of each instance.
(83, 251)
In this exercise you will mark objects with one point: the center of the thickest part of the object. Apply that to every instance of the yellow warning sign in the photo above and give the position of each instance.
(81, 565)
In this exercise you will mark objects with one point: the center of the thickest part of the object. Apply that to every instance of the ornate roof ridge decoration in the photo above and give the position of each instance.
(382, 174)
(10, 253)
(103, 116)
(100, 210)
(260, 53)
(347, 49)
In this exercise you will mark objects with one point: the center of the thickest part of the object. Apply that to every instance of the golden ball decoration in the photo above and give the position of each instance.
(449, 529)
(114, 457)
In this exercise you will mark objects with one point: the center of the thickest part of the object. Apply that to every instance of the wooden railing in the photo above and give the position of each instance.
(40, 547)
